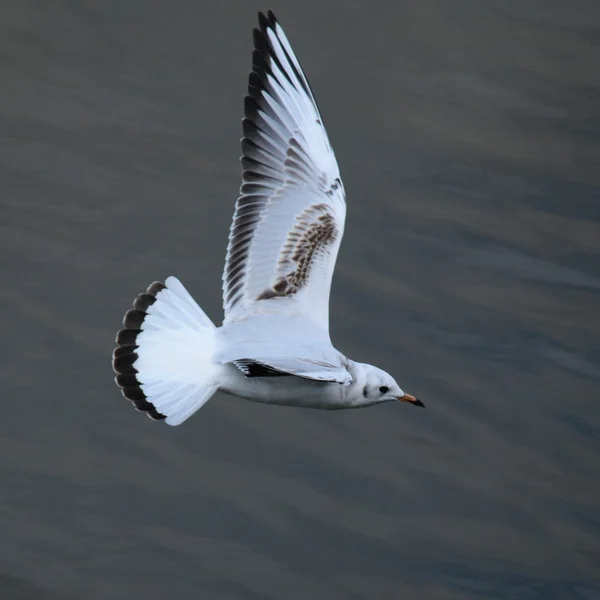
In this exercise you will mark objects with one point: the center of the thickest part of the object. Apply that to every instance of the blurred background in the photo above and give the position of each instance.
(468, 136)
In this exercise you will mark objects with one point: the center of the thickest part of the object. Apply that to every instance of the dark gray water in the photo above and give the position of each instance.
(468, 135)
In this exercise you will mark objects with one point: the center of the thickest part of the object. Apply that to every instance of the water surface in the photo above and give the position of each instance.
(468, 135)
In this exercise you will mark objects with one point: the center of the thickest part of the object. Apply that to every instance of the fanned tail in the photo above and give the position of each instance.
(164, 355)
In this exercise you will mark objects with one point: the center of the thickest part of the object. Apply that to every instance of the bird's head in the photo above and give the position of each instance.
(373, 386)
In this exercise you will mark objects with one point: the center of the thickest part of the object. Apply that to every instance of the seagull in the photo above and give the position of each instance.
(273, 345)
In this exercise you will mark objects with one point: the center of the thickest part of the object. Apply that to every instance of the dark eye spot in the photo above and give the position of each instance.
(384, 389)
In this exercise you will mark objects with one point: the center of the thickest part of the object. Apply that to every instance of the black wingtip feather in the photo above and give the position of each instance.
(125, 355)
(250, 108)
(266, 21)
(254, 82)
(261, 48)
(263, 21)
(264, 55)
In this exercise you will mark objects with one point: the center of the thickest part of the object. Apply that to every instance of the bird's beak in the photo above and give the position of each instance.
(409, 398)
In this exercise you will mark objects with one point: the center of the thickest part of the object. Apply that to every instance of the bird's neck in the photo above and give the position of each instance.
(355, 392)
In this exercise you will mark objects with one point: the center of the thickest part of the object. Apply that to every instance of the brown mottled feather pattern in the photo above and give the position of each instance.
(315, 229)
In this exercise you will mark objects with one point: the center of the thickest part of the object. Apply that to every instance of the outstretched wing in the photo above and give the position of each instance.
(289, 219)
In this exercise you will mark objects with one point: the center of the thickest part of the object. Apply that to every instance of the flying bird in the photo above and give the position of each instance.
(274, 344)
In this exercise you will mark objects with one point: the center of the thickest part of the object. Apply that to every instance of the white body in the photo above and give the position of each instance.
(238, 339)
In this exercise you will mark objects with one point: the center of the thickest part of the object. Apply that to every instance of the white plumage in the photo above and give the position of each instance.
(274, 344)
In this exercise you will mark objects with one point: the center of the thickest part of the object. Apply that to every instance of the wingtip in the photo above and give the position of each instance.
(263, 21)
(267, 20)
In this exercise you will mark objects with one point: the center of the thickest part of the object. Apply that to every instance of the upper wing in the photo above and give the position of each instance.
(289, 219)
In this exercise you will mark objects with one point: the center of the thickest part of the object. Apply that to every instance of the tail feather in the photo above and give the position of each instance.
(163, 358)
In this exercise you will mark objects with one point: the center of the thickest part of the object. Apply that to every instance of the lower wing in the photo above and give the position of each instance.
(298, 367)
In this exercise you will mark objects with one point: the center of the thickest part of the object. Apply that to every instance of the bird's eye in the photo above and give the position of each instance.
(384, 389)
